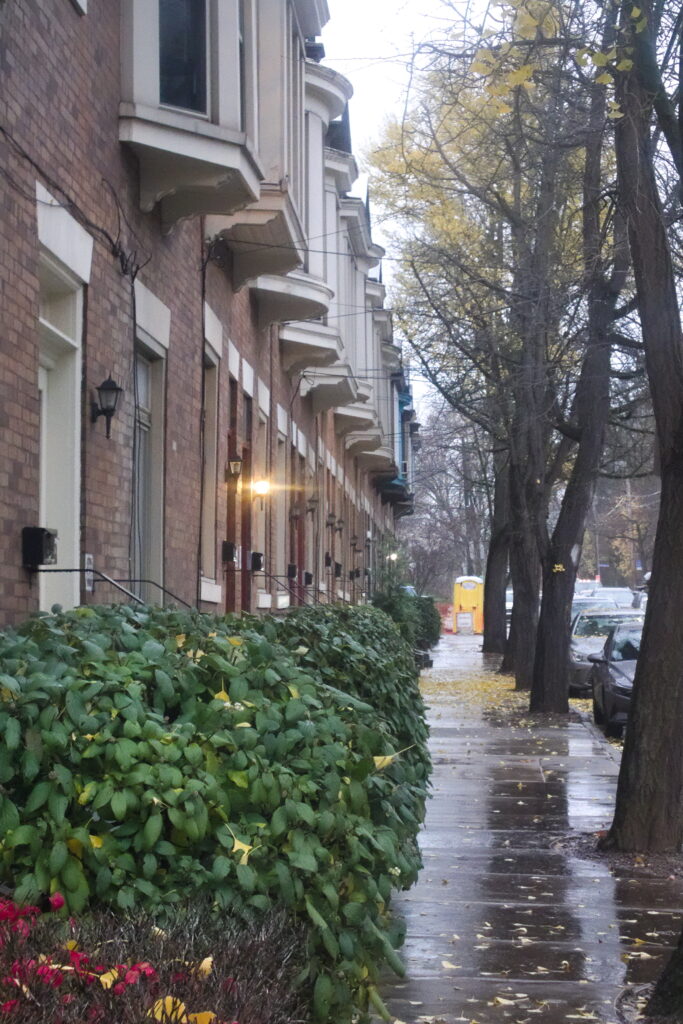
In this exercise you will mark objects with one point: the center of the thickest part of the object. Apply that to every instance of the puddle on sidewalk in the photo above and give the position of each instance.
(505, 925)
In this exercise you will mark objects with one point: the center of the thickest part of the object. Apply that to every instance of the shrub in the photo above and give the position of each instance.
(102, 969)
(400, 607)
(153, 755)
(416, 617)
(360, 651)
(429, 628)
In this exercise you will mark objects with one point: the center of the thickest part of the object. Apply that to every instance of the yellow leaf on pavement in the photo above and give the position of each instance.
(205, 967)
(169, 1011)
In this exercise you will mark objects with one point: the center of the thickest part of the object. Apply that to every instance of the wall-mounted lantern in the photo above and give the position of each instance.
(312, 503)
(233, 470)
(339, 525)
(331, 519)
(108, 394)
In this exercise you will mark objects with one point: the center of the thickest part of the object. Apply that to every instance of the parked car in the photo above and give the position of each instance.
(589, 631)
(622, 596)
(582, 587)
(587, 602)
(612, 677)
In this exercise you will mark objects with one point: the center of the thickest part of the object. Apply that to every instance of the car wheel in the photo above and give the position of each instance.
(614, 730)
(598, 716)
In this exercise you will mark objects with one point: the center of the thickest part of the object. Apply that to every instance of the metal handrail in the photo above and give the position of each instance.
(152, 583)
(289, 590)
(118, 584)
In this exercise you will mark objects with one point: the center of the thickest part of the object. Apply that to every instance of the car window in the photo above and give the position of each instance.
(593, 626)
(626, 644)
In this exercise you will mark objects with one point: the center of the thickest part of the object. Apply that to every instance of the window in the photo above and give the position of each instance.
(147, 526)
(209, 473)
(183, 54)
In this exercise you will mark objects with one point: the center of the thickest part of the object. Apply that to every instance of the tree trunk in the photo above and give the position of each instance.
(648, 815)
(562, 555)
(667, 997)
(495, 626)
(525, 568)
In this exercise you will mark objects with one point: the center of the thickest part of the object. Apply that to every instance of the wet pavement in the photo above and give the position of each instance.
(505, 924)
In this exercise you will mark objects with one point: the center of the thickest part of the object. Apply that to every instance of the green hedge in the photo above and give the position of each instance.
(151, 756)
(417, 618)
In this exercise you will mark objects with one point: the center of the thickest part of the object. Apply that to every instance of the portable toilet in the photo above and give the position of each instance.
(468, 605)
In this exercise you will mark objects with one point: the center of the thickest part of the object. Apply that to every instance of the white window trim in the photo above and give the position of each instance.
(81, 6)
(211, 592)
(153, 319)
(59, 382)
(62, 235)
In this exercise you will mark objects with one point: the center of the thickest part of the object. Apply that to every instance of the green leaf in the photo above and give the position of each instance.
(57, 804)
(9, 816)
(37, 796)
(12, 734)
(59, 854)
(303, 861)
(23, 835)
(240, 779)
(119, 805)
(246, 877)
(153, 650)
(221, 868)
(151, 831)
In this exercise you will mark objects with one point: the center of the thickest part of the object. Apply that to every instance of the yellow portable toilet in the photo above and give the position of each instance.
(468, 605)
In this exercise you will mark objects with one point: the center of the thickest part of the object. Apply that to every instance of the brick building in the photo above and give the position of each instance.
(176, 221)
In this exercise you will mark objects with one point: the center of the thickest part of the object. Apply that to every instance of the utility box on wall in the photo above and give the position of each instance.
(468, 605)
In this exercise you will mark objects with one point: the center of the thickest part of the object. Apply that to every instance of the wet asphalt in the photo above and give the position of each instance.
(505, 924)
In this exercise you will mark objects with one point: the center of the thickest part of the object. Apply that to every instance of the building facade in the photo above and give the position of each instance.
(177, 225)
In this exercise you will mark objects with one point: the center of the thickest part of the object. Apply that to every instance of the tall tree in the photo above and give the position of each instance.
(649, 813)
(485, 180)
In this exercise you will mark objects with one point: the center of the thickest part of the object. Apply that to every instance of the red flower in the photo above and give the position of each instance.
(56, 901)
(79, 960)
(9, 1006)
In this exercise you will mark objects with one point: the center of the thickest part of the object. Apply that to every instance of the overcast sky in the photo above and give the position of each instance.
(371, 43)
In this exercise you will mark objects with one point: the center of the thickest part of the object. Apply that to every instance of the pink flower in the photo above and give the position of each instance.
(9, 1006)
(57, 901)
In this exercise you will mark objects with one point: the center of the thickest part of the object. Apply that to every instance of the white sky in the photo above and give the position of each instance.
(370, 42)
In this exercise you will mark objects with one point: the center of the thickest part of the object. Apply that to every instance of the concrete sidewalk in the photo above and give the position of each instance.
(506, 925)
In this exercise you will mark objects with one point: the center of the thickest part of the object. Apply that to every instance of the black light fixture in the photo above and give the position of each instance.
(354, 542)
(339, 525)
(108, 394)
(233, 470)
(312, 503)
(256, 561)
(331, 519)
